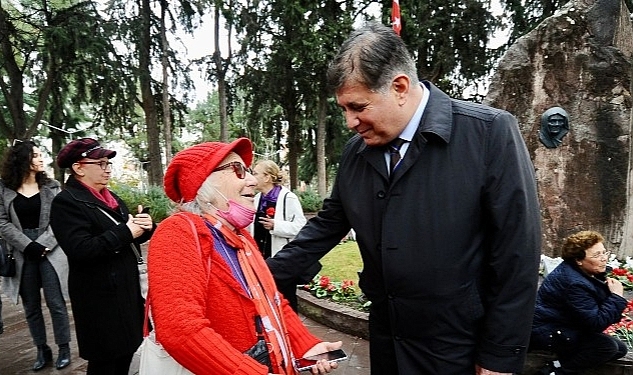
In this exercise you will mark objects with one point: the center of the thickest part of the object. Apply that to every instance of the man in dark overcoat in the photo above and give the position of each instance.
(450, 239)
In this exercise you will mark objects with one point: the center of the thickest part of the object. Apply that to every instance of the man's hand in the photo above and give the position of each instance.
(482, 371)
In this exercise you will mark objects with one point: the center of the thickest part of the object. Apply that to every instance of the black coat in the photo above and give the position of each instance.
(450, 246)
(103, 280)
(571, 302)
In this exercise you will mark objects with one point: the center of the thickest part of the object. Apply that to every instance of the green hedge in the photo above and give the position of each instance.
(161, 206)
(155, 198)
(311, 201)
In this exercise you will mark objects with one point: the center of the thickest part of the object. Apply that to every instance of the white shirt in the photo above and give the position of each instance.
(409, 131)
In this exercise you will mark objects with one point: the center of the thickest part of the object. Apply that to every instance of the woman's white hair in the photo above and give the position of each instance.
(205, 199)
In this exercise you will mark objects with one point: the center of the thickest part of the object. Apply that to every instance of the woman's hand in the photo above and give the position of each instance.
(323, 366)
(134, 228)
(267, 222)
(144, 220)
(615, 286)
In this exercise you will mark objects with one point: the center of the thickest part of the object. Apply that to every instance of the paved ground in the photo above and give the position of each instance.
(17, 352)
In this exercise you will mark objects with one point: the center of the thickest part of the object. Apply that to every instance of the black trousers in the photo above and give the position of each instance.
(589, 350)
(114, 366)
(391, 354)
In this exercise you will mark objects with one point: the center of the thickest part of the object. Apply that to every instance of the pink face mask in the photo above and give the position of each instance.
(237, 215)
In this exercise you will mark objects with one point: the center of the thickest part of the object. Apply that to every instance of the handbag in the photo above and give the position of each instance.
(142, 266)
(7, 261)
(154, 358)
(259, 351)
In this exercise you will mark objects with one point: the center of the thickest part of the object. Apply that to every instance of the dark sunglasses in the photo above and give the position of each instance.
(239, 169)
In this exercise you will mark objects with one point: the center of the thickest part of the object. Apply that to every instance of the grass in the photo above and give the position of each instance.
(343, 262)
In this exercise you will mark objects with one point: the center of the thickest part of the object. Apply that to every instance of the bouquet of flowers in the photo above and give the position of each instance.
(624, 328)
(621, 270)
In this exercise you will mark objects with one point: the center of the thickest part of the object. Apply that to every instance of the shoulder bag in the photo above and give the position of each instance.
(142, 266)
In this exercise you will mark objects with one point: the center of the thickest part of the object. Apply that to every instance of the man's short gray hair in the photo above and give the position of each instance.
(372, 55)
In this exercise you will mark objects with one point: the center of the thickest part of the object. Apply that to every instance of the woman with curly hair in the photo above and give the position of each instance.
(575, 304)
(26, 194)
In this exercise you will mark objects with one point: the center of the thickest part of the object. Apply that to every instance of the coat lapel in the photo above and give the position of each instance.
(412, 155)
(375, 157)
(436, 121)
(46, 197)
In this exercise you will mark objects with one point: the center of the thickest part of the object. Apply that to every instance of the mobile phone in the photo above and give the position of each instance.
(145, 210)
(306, 363)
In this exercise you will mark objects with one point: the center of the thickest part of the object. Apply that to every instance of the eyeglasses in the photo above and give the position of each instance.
(105, 165)
(600, 255)
(239, 169)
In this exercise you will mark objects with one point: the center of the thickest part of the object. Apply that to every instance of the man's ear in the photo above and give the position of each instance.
(401, 85)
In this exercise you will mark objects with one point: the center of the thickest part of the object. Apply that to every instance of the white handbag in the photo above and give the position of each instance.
(155, 360)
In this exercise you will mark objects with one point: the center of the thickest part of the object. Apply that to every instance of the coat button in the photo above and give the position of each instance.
(381, 194)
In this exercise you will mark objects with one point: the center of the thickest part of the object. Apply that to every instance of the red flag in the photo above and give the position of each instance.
(395, 16)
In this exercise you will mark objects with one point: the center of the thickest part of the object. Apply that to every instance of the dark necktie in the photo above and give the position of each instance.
(394, 153)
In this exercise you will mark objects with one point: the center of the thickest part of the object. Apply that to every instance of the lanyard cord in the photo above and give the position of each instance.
(230, 259)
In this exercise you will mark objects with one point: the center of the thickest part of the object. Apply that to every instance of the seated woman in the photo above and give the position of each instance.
(211, 294)
(575, 304)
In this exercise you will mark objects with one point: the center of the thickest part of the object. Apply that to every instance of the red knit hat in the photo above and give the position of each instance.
(190, 167)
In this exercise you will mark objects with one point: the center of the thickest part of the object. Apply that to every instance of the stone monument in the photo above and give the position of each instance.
(579, 59)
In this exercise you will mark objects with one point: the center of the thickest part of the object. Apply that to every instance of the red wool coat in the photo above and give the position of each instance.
(206, 320)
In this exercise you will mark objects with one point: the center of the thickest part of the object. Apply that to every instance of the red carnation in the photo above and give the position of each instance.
(324, 282)
(270, 212)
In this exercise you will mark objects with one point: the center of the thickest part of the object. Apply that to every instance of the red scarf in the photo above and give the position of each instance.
(264, 294)
(104, 196)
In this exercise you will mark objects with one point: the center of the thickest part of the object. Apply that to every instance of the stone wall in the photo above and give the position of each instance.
(578, 59)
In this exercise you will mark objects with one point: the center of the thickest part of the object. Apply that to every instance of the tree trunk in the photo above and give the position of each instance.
(155, 170)
(293, 148)
(220, 72)
(14, 90)
(166, 105)
(320, 144)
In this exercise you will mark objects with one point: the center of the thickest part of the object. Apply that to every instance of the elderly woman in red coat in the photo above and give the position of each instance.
(210, 290)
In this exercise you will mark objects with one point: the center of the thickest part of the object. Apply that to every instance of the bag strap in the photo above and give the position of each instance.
(199, 248)
(139, 257)
(285, 199)
(259, 327)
